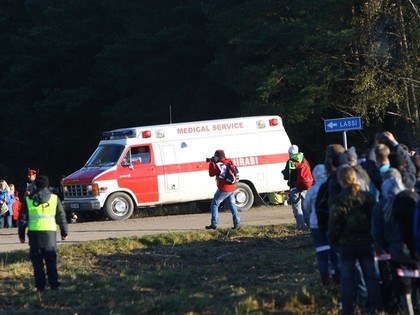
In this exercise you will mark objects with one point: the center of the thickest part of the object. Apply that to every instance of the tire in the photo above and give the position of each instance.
(244, 197)
(118, 207)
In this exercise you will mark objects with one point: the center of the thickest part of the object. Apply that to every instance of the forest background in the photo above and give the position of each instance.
(71, 69)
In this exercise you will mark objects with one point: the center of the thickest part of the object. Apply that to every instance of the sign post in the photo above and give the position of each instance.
(343, 124)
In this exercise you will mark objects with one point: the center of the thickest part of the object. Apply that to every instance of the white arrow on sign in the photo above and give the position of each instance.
(332, 125)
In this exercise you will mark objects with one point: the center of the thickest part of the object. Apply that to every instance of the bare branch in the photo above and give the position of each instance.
(414, 8)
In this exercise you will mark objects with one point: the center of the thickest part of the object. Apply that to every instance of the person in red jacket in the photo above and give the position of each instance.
(15, 206)
(217, 168)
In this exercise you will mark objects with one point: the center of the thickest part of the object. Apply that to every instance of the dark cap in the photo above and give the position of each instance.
(339, 159)
(42, 181)
(220, 154)
(397, 160)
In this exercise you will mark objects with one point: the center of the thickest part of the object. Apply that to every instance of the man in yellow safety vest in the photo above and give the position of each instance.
(40, 213)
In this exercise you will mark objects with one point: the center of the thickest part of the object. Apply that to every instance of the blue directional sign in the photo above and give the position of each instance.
(343, 124)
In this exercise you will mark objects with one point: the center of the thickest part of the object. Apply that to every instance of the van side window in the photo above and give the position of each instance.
(140, 155)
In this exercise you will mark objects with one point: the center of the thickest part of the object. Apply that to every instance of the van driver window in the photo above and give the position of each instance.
(140, 155)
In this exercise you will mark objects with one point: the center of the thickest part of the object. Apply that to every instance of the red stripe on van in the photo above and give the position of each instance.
(240, 163)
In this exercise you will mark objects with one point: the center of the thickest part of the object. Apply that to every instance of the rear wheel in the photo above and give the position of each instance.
(119, 206)
(244, 197)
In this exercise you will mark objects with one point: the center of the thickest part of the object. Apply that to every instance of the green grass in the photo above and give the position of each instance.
(253, 270)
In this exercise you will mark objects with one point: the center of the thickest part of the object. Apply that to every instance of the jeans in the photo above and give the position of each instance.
(8, 219)
(296, 199)
(325, 254)
(218, 198)
(349, 256)
(38, 256)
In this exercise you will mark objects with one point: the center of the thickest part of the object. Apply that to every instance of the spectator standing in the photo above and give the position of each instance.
(296, 196)
(377, 161)
(403, 213)
(225, 190)
(398, 161)
(16, 205)
(41, 212)
(349, 229)
(9, 214)
(363, 178)
(334, 186)
(5, 199)
(322, 199)
(326, 256)
(387, 236)
(27, 187)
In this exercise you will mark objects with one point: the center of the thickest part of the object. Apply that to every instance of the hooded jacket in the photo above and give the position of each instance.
(289, 173)
(309, 209)
(385, 230)
(42, 239)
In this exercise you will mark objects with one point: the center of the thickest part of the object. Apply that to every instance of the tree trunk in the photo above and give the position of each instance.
(413, 112)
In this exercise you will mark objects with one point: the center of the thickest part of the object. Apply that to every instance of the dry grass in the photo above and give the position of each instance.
(264, 270)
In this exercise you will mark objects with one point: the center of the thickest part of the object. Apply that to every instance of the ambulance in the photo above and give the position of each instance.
(167, 164)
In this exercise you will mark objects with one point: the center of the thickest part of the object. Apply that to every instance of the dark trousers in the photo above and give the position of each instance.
(363, 254)
(38, 257)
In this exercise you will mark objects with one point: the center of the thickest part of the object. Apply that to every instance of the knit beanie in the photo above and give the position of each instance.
(42, 181)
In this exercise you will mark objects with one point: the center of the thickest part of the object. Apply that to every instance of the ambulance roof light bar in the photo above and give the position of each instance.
(119, 134)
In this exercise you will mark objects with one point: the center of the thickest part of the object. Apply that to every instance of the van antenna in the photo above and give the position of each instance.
(170, 113)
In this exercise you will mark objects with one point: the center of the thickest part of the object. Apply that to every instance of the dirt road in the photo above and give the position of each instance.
(88, 231)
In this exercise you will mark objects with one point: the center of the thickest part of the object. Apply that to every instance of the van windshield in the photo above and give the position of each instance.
(105, 155)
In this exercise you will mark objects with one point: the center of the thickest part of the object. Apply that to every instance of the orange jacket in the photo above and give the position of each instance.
(16, 208)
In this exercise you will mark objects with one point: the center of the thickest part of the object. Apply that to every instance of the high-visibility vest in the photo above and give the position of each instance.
(41, 217)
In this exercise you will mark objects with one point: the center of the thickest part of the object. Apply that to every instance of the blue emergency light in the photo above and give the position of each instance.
(127, 133)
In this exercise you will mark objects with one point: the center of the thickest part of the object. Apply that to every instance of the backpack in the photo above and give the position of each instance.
(321, 206)
(231, 174)
(304, 179)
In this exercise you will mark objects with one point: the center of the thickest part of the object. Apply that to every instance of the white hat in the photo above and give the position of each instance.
(293, 149)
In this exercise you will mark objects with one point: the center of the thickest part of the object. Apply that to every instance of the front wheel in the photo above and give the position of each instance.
(244, 197)
(119, 206)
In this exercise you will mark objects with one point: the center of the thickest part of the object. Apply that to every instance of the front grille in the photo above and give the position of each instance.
(77, 191)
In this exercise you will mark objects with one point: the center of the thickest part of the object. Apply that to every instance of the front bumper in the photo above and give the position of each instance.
(78, 205)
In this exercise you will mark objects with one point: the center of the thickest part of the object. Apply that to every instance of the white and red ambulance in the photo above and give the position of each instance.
(166, 164)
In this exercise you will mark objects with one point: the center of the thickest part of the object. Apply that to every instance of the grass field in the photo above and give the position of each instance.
(261, 270)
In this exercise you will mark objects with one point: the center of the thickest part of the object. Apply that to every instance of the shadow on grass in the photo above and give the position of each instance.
(267, 270)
